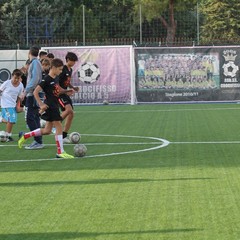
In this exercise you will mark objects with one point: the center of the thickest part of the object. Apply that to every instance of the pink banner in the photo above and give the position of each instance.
(101, 73)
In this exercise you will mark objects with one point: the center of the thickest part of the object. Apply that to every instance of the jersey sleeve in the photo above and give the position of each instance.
(3, 86)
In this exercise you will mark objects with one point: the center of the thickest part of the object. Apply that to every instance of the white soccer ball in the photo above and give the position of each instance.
(3, 136)
(42, 123)
(80, 150)
(105, 102)
(89, 72)
(75, 137)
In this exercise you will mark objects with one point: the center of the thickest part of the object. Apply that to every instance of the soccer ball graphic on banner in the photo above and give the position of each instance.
(75, 137)
(89, 72)
(80, 150)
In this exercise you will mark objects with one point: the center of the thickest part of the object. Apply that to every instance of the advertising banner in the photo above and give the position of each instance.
(187, 74)
(10, 60)
(102, 73)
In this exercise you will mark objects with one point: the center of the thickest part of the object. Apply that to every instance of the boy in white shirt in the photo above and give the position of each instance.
(11, 91)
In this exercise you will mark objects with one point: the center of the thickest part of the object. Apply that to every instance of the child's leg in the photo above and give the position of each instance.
(59, 137)
(40, 131)
(59, 141)
(34, 133)
(68, 122)
(68, 111)
(68, 116)
(10, 115)
(9, 127)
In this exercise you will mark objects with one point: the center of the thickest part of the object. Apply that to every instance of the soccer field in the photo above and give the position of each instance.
(152, 172)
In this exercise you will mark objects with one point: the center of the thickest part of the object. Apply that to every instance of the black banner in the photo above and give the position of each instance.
(187, 74)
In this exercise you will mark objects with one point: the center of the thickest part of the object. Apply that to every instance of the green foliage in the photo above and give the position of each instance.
(39, 12)
(166, 11)
(113, 19)
(221, 19)
(103, 21)
(93, 28)
(155, 8)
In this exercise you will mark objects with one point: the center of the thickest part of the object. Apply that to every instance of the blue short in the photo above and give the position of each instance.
(9, 115)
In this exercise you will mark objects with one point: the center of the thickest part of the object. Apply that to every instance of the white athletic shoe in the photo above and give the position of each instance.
(53, 130)
(66, 140)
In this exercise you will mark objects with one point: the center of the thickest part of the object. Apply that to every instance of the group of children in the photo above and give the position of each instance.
(57, 89)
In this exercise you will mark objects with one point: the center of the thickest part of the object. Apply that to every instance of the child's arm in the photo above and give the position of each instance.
(18, 105)
(74, 88)
(66, 91)
(42, 105)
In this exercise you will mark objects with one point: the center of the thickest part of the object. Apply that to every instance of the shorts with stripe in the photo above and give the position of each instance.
(51, 115)
(64, 100)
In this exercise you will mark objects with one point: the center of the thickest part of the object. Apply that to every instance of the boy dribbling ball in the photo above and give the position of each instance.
(49, 109)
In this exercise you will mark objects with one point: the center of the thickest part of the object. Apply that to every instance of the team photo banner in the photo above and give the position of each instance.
(187, 74)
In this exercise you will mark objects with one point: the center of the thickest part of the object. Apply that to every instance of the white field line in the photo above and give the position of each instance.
(213, 142)
(160, 144)
(135, 143)
(93, 144)
(158, 141)
(159, 110)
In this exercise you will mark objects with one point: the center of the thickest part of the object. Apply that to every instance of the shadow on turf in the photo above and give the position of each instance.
(73, 235)
(94, 181)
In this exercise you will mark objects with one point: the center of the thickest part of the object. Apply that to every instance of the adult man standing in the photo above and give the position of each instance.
(34, 77)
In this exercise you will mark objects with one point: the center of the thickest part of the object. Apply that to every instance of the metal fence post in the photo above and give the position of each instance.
(198, 34)
(84, 26)
(27, 26)
(140, 22)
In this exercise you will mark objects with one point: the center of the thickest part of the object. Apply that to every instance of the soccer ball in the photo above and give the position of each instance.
(75, 137)
(89, 72)
(105, 102)
(80, 150)
(3, 136)
(42, 123)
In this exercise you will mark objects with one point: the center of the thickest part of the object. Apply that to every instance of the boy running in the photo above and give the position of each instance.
(64, 99)
(49, 109)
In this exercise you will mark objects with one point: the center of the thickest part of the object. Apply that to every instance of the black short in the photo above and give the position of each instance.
(64, 100)
(51, 115)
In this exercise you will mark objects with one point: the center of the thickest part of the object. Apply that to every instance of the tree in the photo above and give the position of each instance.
(103, 19)
(155, 9)
(93, 29)
(221, 20)
(13, 18)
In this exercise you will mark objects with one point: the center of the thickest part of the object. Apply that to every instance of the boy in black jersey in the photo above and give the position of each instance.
(49, 109)
(64, 100)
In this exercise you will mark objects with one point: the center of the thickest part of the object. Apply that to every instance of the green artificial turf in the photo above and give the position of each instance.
(129, 186)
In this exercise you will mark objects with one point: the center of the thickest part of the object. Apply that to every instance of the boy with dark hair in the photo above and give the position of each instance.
(42, 54)
(64, 99)
(12, 94)
(50, 56)
(50, 108)
(45, 67)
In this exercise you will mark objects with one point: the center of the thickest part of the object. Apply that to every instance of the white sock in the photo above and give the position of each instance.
(59, 142)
